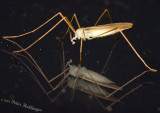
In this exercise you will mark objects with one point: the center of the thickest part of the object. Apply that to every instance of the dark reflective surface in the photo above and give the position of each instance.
(16, 83)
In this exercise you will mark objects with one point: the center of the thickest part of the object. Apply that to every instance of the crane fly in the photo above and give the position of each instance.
(83, 33)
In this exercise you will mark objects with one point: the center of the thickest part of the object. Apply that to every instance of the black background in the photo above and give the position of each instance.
(20, 16)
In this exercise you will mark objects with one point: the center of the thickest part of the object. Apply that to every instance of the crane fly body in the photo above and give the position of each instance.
(100, 31)
(82, 71)
(92, 76)
(89, 88)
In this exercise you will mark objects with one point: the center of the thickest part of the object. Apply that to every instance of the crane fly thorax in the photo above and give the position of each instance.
(81, 33)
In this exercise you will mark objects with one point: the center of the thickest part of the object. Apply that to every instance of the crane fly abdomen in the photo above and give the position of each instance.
(92, 76)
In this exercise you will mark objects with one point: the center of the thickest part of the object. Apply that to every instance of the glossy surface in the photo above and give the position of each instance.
(19, 16)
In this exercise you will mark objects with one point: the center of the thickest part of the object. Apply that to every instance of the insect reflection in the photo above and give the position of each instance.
(79, 78)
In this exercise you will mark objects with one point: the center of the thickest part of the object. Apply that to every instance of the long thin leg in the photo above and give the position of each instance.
(63, 67)
(98, 85)
(106, 66)
(81, 45)
(59, 84)
(59, 13)
(129, 82)
(129, 92)
(101, 104)
(49, 81)
(63, 19)
(106, 10)
(39, 69)
(34, 62)
(37, 66)
(75, 83)
(54, 99)
(33, 75)
(77, 75)
(76, 19)
(153, 70)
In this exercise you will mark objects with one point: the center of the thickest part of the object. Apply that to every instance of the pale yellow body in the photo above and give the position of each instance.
(100, 30)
